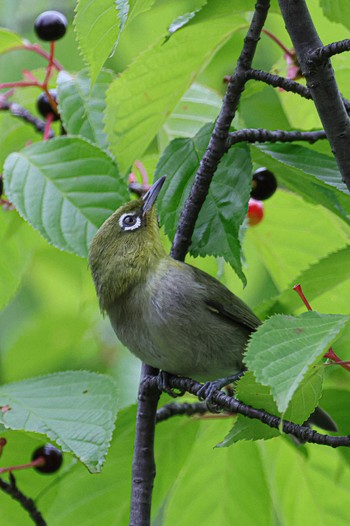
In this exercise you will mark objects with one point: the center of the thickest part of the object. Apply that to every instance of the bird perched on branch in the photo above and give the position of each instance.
(171, 315)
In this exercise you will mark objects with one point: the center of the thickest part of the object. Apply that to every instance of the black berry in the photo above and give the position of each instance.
(264, 184)
(50, 25)
(44, 106)
(52, 456)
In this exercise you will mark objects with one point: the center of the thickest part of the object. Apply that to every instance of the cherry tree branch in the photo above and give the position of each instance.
(174, 409)
(231, 404)
(22, 113)
(262, 135)
(143, 466)
(26, 503)
(320, 79)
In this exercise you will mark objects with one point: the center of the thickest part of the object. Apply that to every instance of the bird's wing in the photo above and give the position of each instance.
(223, 302)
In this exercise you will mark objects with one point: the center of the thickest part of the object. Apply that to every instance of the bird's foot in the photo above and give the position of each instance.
(208, 389)
(163, 385)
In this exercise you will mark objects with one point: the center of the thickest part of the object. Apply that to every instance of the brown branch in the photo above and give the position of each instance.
(320, 81)
(143, 466)
(26, 503)
(22, 113)
(231, 404)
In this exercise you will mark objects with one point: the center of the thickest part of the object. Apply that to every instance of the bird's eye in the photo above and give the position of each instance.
(129, 221)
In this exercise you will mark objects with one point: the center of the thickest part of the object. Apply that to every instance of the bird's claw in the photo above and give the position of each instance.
(163, 385)
(208, 389)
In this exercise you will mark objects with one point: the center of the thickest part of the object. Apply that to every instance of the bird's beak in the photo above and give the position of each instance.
(150, 197)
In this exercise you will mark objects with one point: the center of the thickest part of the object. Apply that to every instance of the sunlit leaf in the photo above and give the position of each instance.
(285, 349)
(140, 100)
(76, 409)
(65, 188)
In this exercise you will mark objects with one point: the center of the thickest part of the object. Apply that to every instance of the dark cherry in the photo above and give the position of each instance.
(264, 184)
(53, 458)
(50, 25)
(44, 106)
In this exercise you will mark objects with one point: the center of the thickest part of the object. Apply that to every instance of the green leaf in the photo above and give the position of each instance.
(199, 105)
(140, 100)
(319, 278)
(97, 27)
(311, 174)
(82, 108)
(285, 349)
(15, 134)
(180, 22)
(15, 255)
(9, 40)
(233, 477)
(217, 227)
(65, 188)
(76, 409)
(337, 11)
(249, 391)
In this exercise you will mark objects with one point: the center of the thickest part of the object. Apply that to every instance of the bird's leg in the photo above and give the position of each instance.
(163, 385)
(207, 390)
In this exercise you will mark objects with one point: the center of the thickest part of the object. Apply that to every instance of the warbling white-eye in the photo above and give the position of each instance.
(171, 315)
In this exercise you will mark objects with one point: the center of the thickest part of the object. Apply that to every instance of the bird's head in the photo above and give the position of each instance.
(126, 247)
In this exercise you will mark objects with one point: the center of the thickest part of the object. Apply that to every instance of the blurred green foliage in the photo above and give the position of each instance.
(51, 322)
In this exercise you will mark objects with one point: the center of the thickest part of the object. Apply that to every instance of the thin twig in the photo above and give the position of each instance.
(26, 503)
(262, 135)
(175, 409)
(24, 114)
(278, 82)
(323, 53)
(231, 404)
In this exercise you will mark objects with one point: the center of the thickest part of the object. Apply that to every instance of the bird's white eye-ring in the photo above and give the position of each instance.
(129, 221)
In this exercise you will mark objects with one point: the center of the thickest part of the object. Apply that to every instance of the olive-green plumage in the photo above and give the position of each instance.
(171, 315)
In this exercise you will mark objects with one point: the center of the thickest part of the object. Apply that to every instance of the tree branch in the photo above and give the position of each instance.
(217, 143)
(23, 113)
(262, 135)
(321, 54)
(174, 409)
(231, 404)
(278, 82)
(320, 80)
(26, 503)
(143, 466)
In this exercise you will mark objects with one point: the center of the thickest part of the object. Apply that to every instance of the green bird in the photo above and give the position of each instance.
(171, 315)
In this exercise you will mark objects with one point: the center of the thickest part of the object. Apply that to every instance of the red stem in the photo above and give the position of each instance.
(278, 42)
(40, 461)
(49, 120)
(50, 64)
(37, 49)
(330, 354)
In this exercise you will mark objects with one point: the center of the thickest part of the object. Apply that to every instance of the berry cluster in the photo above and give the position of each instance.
(49, 27)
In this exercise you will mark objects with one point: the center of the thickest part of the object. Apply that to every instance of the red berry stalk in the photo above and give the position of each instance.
(330, 354)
